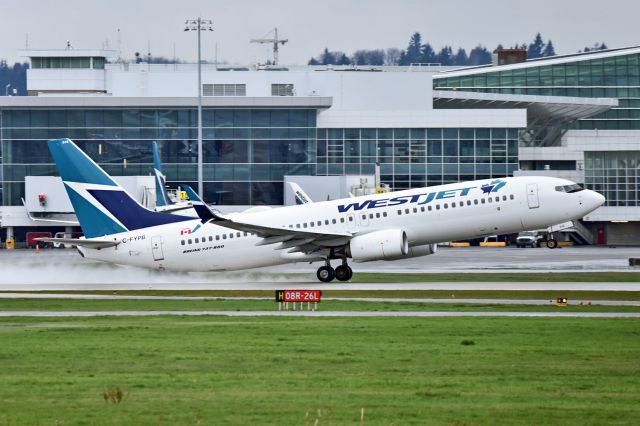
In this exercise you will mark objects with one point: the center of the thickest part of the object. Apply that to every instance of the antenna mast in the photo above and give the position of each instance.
(275, 41)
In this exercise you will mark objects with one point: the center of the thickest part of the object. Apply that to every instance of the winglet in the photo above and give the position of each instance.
(202, 209)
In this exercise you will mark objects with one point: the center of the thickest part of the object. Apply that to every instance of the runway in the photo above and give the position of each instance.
(539, 302)
(306, 285)
(319, 314)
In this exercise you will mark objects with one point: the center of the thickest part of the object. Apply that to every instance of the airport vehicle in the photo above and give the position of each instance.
(163, 201)
(529, 238)
(33, 239)
(385, 226)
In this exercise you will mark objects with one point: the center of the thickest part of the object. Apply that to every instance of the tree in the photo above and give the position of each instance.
(342, 59)
(368, 57)
(535, 48)
(327, 58)
(549, 50)
(392, 56)
(461, 57)
(428, 55)
(479, 56)
(445, 56)
(413, 53)
(313, 61)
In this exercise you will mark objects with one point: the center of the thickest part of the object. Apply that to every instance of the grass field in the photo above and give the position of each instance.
(496, 276)
(269, 305)
(190, 371)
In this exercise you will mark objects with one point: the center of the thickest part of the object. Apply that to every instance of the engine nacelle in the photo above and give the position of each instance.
(380, 245)
(418, 251)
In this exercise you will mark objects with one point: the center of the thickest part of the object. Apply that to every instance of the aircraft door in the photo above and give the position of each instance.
(351, 222)
(532, 196)
(156, 248)
(364, 219)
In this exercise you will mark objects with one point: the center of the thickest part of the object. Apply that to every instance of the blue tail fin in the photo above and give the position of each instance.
(162, 199)
(102, 206)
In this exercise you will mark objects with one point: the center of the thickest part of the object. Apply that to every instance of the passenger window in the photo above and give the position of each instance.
(422, 209)
(311, 224)
(399, 212)
(446, 206)
(333, 221)
(453, 204)
(238, 234)
(231, 235)
(182, 242)
(224, 236)
(504, 198)
(371, 215)
(384, 214)
(497, 199)
(415, 210)
(482, 200)
(304, 225)
(475, 201)
(217, 237)
(290, 226)
(406, 211)
(297, 225)
(197, 240)
(468, 202)
(326, 222)
(189, 241)
(319, 223)
(342, 220)
(350, 218)
(210, 237)
(511, 196)
(490, 199)
(429, 208)
(245, 234)
(364, 216)
(437, 206)
(378, 215)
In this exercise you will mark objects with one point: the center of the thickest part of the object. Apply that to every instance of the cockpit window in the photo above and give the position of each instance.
(569, 188)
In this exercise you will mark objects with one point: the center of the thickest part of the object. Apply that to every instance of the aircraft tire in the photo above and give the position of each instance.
(344, 273)
(552, 243)
(326, 274)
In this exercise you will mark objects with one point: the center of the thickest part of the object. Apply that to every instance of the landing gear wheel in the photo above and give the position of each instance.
(552, 244)
(326, 274)
(344, 273)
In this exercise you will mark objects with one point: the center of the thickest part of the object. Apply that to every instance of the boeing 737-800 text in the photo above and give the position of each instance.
(387, 226)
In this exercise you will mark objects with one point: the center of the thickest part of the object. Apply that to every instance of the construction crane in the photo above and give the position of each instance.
(276, 42)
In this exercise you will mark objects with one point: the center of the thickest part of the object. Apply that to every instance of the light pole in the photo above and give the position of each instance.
(199, 25)
(6, 89)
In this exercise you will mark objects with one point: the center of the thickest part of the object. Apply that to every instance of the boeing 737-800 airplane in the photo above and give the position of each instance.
(387, 226)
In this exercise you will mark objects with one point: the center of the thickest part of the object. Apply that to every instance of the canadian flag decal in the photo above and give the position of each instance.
(184, 231)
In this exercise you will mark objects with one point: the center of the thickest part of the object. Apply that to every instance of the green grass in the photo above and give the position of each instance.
(214, 370)
(52, 305)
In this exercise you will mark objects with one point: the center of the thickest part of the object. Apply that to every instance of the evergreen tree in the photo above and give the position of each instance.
(428, 55)
(549, 50)
(327, 57)
(342, 59)
(313, 61)
(445, 56)
(461, 57)
(535, 48)
(414, 50)
(479, 56)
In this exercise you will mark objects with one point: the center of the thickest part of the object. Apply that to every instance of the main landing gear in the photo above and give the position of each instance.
(342, 273)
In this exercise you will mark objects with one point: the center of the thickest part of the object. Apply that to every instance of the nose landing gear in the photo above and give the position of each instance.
(342, 273)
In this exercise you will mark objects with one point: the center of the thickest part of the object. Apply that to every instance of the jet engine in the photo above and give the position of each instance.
(418, 251)
(379, 245)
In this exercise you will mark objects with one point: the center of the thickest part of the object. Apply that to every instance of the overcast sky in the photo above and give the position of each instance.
(311, 25)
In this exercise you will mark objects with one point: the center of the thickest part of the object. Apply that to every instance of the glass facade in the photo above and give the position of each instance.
(614, 174)
(246, 151)
(613, 77)
(412, 158)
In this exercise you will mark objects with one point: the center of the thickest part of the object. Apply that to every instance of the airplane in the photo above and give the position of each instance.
(299, 196)
(388, 226)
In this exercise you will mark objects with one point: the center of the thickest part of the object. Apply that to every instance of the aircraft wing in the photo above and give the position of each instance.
(296, 240)
(170, 208)
(92, 243)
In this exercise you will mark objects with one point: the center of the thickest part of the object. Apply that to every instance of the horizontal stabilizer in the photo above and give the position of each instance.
(92, 243)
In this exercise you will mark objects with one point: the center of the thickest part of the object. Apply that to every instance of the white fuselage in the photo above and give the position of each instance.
(427, 215)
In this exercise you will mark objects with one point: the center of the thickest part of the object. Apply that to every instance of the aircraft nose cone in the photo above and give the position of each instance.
(599, 199)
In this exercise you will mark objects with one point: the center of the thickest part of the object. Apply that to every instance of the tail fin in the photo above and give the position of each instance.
(162, 199)
(299, 196)
(203, 211)
(102, 206)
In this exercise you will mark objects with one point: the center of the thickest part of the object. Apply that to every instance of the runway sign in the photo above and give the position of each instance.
(298, 295)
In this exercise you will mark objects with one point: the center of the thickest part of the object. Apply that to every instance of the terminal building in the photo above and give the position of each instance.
(574, 116)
